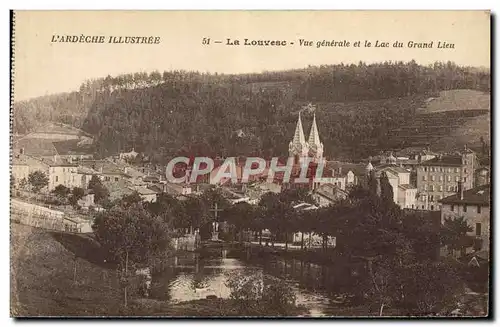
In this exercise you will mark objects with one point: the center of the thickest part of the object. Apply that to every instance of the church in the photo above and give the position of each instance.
(299, 148)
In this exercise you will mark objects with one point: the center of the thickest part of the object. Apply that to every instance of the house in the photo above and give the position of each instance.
(404, 194)
(146, 194)
(474, 206)
(62, 172)
(107, 171)
(438, 178)
(87, 200)
(341, 174)
(175, 189)
(327, 194)
(128, 155)
(84, 175)
(20, 169)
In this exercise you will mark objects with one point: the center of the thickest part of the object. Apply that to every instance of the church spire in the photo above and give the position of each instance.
(298, 146)
(314, 143)
(314, 135)
(298, 137)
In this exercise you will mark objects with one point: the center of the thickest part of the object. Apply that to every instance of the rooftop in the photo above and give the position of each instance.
(102, 167)
(447, 160)
(406, 186)
(144, 190)
(477, 195)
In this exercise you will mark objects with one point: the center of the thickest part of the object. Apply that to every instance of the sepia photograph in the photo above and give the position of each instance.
(313, 164)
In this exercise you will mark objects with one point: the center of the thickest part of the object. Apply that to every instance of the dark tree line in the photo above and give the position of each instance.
(166, 113)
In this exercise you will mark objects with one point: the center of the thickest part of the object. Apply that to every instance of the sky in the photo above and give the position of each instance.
(42, 67)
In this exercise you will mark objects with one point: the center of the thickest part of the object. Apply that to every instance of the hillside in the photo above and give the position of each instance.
(449, 121)
(360, 109)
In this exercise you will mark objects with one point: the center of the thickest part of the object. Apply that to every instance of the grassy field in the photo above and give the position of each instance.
(43, 279)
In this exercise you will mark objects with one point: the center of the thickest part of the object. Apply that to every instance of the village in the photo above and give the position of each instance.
(54, 177)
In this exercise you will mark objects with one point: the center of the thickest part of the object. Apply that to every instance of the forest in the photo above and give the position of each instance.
(192, 113)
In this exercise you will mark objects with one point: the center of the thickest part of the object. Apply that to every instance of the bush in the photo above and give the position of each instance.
(257, 294)
(278, 298)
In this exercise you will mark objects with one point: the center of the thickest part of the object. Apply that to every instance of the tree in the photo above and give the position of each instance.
(131, 236)
(101, 193)
(386, 191)
(130, 199)
(38, 180)
(241, 216)
(454, 234)
(61, 191)
(76, 194)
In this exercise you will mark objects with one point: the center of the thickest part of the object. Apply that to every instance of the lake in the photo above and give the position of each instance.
(192, 276)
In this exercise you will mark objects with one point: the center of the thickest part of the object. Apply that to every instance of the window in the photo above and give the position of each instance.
(425, 187)
(478, 229)
(433, 178)
(424, 178)
(431, 188)
(107, 178)
(449, 170)
(465, 179)
(425, 168)
(431, 198)
(478, 209)
(441, 178)
(465, 208)
(441, 170)
(449, 178)
(57, 179)
(465, 170)
(452, 208)
(440, 188)
(64, 170)
(116, 179)
(432, 207)
(457, 179)
(456, 170)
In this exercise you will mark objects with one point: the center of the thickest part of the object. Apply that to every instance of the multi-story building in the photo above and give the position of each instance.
(474, 206)
(63, 173)
(439, 177)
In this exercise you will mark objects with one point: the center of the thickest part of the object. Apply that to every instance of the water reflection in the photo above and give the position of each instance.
(194, 276)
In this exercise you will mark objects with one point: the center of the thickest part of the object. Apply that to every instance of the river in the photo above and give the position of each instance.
(192, 276)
